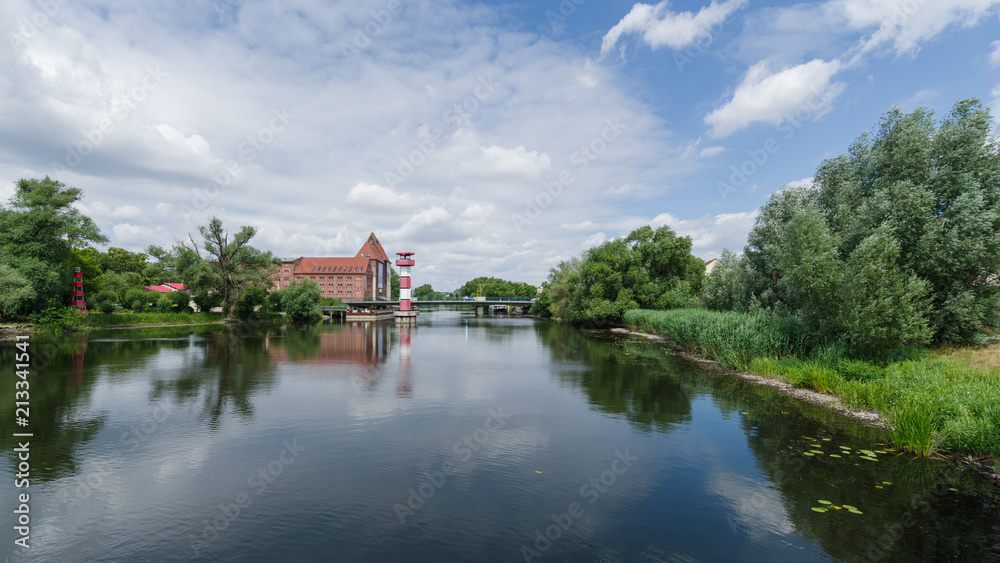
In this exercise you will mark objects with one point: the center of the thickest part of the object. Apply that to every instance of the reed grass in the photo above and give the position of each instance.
(934, 399)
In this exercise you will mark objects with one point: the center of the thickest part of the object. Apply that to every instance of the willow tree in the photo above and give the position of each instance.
(235, 264)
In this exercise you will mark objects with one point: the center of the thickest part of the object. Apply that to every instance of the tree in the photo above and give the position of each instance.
(301, 299)
(206, 300)
(38, 231)
(911, 211)
(235, 266)
(121, 260)
(496, 287)
(15, 290)
(646, 269)
(394, 286)
(724, 287)
(120, 284)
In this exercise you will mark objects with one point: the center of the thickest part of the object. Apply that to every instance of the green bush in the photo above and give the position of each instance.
(253, 296)
(302, 299)
(106, 307)
(137, 299)
(276, 300)
(206, 300)
(56, 318)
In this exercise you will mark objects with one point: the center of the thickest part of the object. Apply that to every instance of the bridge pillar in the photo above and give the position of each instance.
(479, 310)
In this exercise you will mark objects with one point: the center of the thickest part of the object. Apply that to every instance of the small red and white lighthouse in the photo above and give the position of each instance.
(78, 292)
(405, 314)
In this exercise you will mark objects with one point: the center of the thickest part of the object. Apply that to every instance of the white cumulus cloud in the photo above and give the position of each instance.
(772, 97)
(659, 26)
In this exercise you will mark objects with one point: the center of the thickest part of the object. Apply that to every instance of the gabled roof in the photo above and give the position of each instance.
(157, 288)
(176, 286)
(372, 248)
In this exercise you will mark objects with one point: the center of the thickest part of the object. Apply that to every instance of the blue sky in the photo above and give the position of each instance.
(491, 138)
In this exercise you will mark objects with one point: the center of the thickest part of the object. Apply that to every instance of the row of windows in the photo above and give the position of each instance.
(334, 269)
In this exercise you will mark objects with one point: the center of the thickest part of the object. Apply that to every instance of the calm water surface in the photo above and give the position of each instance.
(461, 439)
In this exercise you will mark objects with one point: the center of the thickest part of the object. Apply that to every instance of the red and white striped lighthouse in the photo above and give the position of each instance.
(78, 292)
(405, 314)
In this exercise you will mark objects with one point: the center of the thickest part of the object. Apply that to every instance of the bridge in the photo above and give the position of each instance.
(480, 303)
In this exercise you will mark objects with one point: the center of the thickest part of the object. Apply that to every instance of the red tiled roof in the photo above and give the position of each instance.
(157, 288)
(176, 286)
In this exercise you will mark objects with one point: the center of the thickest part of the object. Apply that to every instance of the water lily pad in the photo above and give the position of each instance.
(836, 507)
(881, 452)
(953, 490)
(818, 509)
(869, 458)
(849, 507)
(824, 502)
(827, 439)
(835, 455)
(868, 453)
(810, 454)
(815, 446)
(845, 448)
(855, 511)
(879, 487)
(886, 483)
(820, 452)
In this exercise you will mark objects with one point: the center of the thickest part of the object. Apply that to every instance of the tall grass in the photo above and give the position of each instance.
(99, 319)
(933, 400)
(734, 339)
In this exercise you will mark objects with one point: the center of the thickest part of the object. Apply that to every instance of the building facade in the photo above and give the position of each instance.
(364, 276)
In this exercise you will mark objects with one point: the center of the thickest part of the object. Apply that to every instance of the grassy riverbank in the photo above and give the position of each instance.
(942, 399)
(62, 321)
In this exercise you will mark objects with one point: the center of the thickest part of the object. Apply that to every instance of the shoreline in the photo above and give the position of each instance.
(982, 464)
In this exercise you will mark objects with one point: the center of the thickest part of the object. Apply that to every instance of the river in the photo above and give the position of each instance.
(460, 439)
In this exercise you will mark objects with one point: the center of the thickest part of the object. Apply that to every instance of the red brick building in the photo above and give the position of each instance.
(366, 275)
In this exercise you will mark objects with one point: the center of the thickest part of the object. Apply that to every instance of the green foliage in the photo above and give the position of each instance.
(251, 298)
(39, 228)
(206, 300)
(427, 293)
(57, 318)
(495, 287)
(106, 307)
(120, 260)
(235, 266)
(724, 287)
(647, 269)
(734, 339)
(16, 292)
(884, 307)
(898, 243)
(137, 299)
(302, 299)
(933, 400)
(276, 300)
(394, 286)
(180, 302)
(121, 283)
